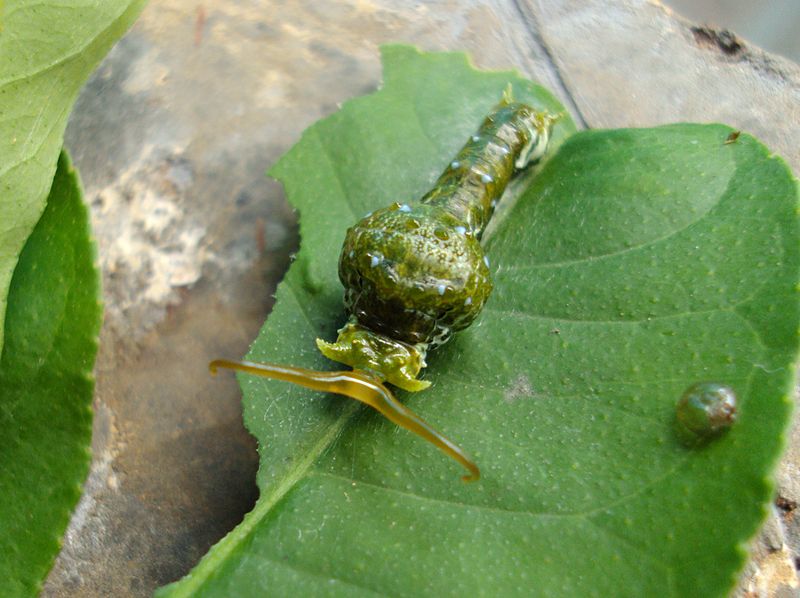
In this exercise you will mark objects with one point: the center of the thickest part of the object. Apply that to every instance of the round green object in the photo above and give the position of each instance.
(706, 409)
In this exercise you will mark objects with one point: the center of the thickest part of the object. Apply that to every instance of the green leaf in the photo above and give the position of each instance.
(48, 49)
(46, 386)
(636, 263)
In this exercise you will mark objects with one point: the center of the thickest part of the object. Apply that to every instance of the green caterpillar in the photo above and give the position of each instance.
(416, 273)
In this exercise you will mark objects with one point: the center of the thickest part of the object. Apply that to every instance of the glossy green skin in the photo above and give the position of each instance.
(704, 411)
(414, 276)
(415, 273)
(498, 149)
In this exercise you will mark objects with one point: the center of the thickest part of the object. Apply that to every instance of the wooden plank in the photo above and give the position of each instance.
(636, 63)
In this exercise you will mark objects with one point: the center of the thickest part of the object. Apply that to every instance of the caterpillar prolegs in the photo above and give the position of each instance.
(414, 273)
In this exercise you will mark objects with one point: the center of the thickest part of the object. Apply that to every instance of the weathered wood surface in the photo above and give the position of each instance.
(173, 135)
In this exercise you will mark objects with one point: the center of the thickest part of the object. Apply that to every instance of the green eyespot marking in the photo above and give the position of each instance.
(704, 411)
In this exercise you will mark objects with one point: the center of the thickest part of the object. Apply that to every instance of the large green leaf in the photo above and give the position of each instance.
(47, 50)
(46, 386)
(636, 263)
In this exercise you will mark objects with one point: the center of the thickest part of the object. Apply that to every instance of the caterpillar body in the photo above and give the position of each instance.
(414, 273)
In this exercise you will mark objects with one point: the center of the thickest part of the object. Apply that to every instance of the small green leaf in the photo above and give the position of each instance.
(48, 50)
(46, 386)
(635, 263)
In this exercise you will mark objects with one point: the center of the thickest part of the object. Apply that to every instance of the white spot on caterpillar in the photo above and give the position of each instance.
(486, 260)
(441, 289)
(374, 261)
(461, 230)
(476, 138)
(468, 301)
(455, 164)
(405, 208)
(486, 178)
(351, 254)
(494, 204)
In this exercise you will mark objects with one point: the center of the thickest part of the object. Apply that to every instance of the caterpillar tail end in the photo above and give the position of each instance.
(386, 359)
(474, 474)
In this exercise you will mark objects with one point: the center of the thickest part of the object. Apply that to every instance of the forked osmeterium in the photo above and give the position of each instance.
(415, 273)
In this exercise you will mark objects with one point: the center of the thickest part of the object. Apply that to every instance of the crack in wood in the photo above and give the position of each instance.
(531, 23)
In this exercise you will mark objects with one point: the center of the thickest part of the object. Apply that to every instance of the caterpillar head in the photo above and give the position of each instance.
(412, 277)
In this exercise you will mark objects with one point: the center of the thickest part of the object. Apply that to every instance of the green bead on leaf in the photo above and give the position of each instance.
(704, 411)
